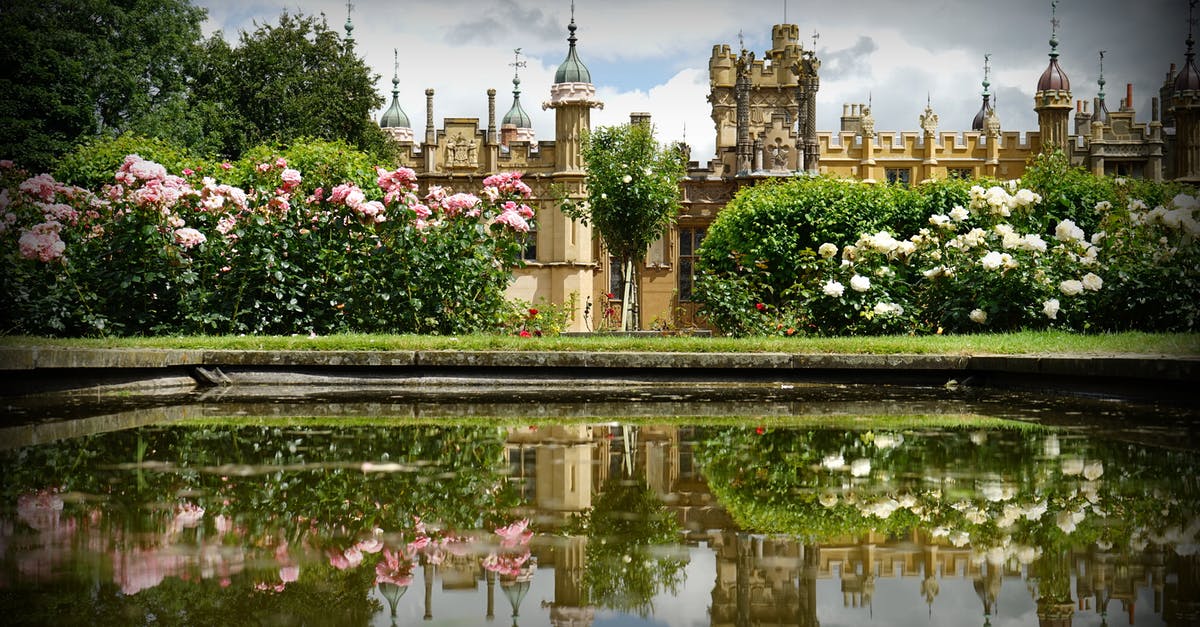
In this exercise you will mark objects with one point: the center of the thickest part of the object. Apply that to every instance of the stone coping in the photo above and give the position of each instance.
(1126, 366)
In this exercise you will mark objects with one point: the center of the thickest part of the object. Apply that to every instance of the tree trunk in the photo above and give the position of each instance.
(628, 295)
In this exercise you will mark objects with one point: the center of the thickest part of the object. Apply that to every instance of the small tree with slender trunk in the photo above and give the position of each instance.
(632, 198)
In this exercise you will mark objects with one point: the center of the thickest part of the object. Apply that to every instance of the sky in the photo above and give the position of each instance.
(652, 55)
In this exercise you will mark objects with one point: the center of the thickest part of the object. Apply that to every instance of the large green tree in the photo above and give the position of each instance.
(296, 78)
(633, 193)
(80, 68)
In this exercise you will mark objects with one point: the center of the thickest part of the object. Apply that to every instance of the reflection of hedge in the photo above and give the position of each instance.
(323, 596)
(772, 483)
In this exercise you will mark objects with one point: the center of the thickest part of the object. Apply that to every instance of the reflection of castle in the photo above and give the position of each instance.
(772, 580)
(764, 115)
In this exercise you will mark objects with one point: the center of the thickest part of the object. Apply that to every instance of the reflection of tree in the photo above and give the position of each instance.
(1053, 574)
(627, 529)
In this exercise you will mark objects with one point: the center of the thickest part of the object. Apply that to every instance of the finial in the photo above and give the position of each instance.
(785, 11)
(395, 70)
(349, 24)
(815, 37)
(516, 65)
(868, 99)
(987, 57)
(1191, 24)
(685, 132)
(571, 27)
(1053, 28)
(928, 100)
(1101, 80)
(741, 41)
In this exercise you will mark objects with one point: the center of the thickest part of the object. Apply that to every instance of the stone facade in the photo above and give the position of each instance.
(764, 113)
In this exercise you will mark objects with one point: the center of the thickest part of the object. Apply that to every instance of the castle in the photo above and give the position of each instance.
(764, 112)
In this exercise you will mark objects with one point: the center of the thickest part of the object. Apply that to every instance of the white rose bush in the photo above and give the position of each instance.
(999, 262)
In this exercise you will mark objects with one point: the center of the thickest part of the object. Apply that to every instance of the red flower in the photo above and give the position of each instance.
(760, 306)
(532, 313)
(791, 331)
(760, 430)
(609, 295)
(524, 333)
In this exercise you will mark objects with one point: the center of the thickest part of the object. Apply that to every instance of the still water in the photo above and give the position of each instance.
(784, 506)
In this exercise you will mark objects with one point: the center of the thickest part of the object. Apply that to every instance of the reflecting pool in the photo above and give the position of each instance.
(776, 510)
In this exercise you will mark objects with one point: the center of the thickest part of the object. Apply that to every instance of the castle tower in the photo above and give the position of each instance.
(977, 123)
(1052, 101)
(572, 96)
(564, 245)
(1185, 108)
(394, 120)
(516, 125)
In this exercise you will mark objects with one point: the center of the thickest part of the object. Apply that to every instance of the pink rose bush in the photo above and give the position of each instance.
(281, 252)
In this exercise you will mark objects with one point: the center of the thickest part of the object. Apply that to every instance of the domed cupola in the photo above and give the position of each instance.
(516, 116)
(516, 125)
(394, 120)
(572, 70)
(1054, 78)
(977, 123)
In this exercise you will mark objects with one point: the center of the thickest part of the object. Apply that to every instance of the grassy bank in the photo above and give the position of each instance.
(1178, 344)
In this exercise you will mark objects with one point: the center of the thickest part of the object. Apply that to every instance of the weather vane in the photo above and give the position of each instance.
(815, 37)
(1054, 18)
(741, 40)
(517, 62)
(1191, 20)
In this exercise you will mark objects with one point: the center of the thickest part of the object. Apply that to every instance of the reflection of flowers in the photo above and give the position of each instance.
(515, 534)
(394, 568)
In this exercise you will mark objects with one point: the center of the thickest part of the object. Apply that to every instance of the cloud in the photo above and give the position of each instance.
(848, 61)
(507, 23)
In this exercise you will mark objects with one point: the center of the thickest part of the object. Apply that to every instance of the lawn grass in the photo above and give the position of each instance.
(1027, 342)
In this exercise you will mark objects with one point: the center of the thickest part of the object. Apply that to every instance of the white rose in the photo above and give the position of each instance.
(860, 467)
(827, 499)
(834, 289)
(1071, 287)
(939, 219)
(626, 179)
(1050, 308)
(978, 316)
(958, 214)
(1092, 282)
(860, 283)
(1065, 521)
(833, 462)
(827, 250)
(1066, 231)
(992, 260)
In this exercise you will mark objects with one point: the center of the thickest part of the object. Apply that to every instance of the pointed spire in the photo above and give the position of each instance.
(1100, 81)
(1054, 79)
(1188, 78)
(572, 69)
(977, 124)
(1053, 29)
(395, 117)
(395, 72)
(987, 57)
(516, 115)
(349, 24)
